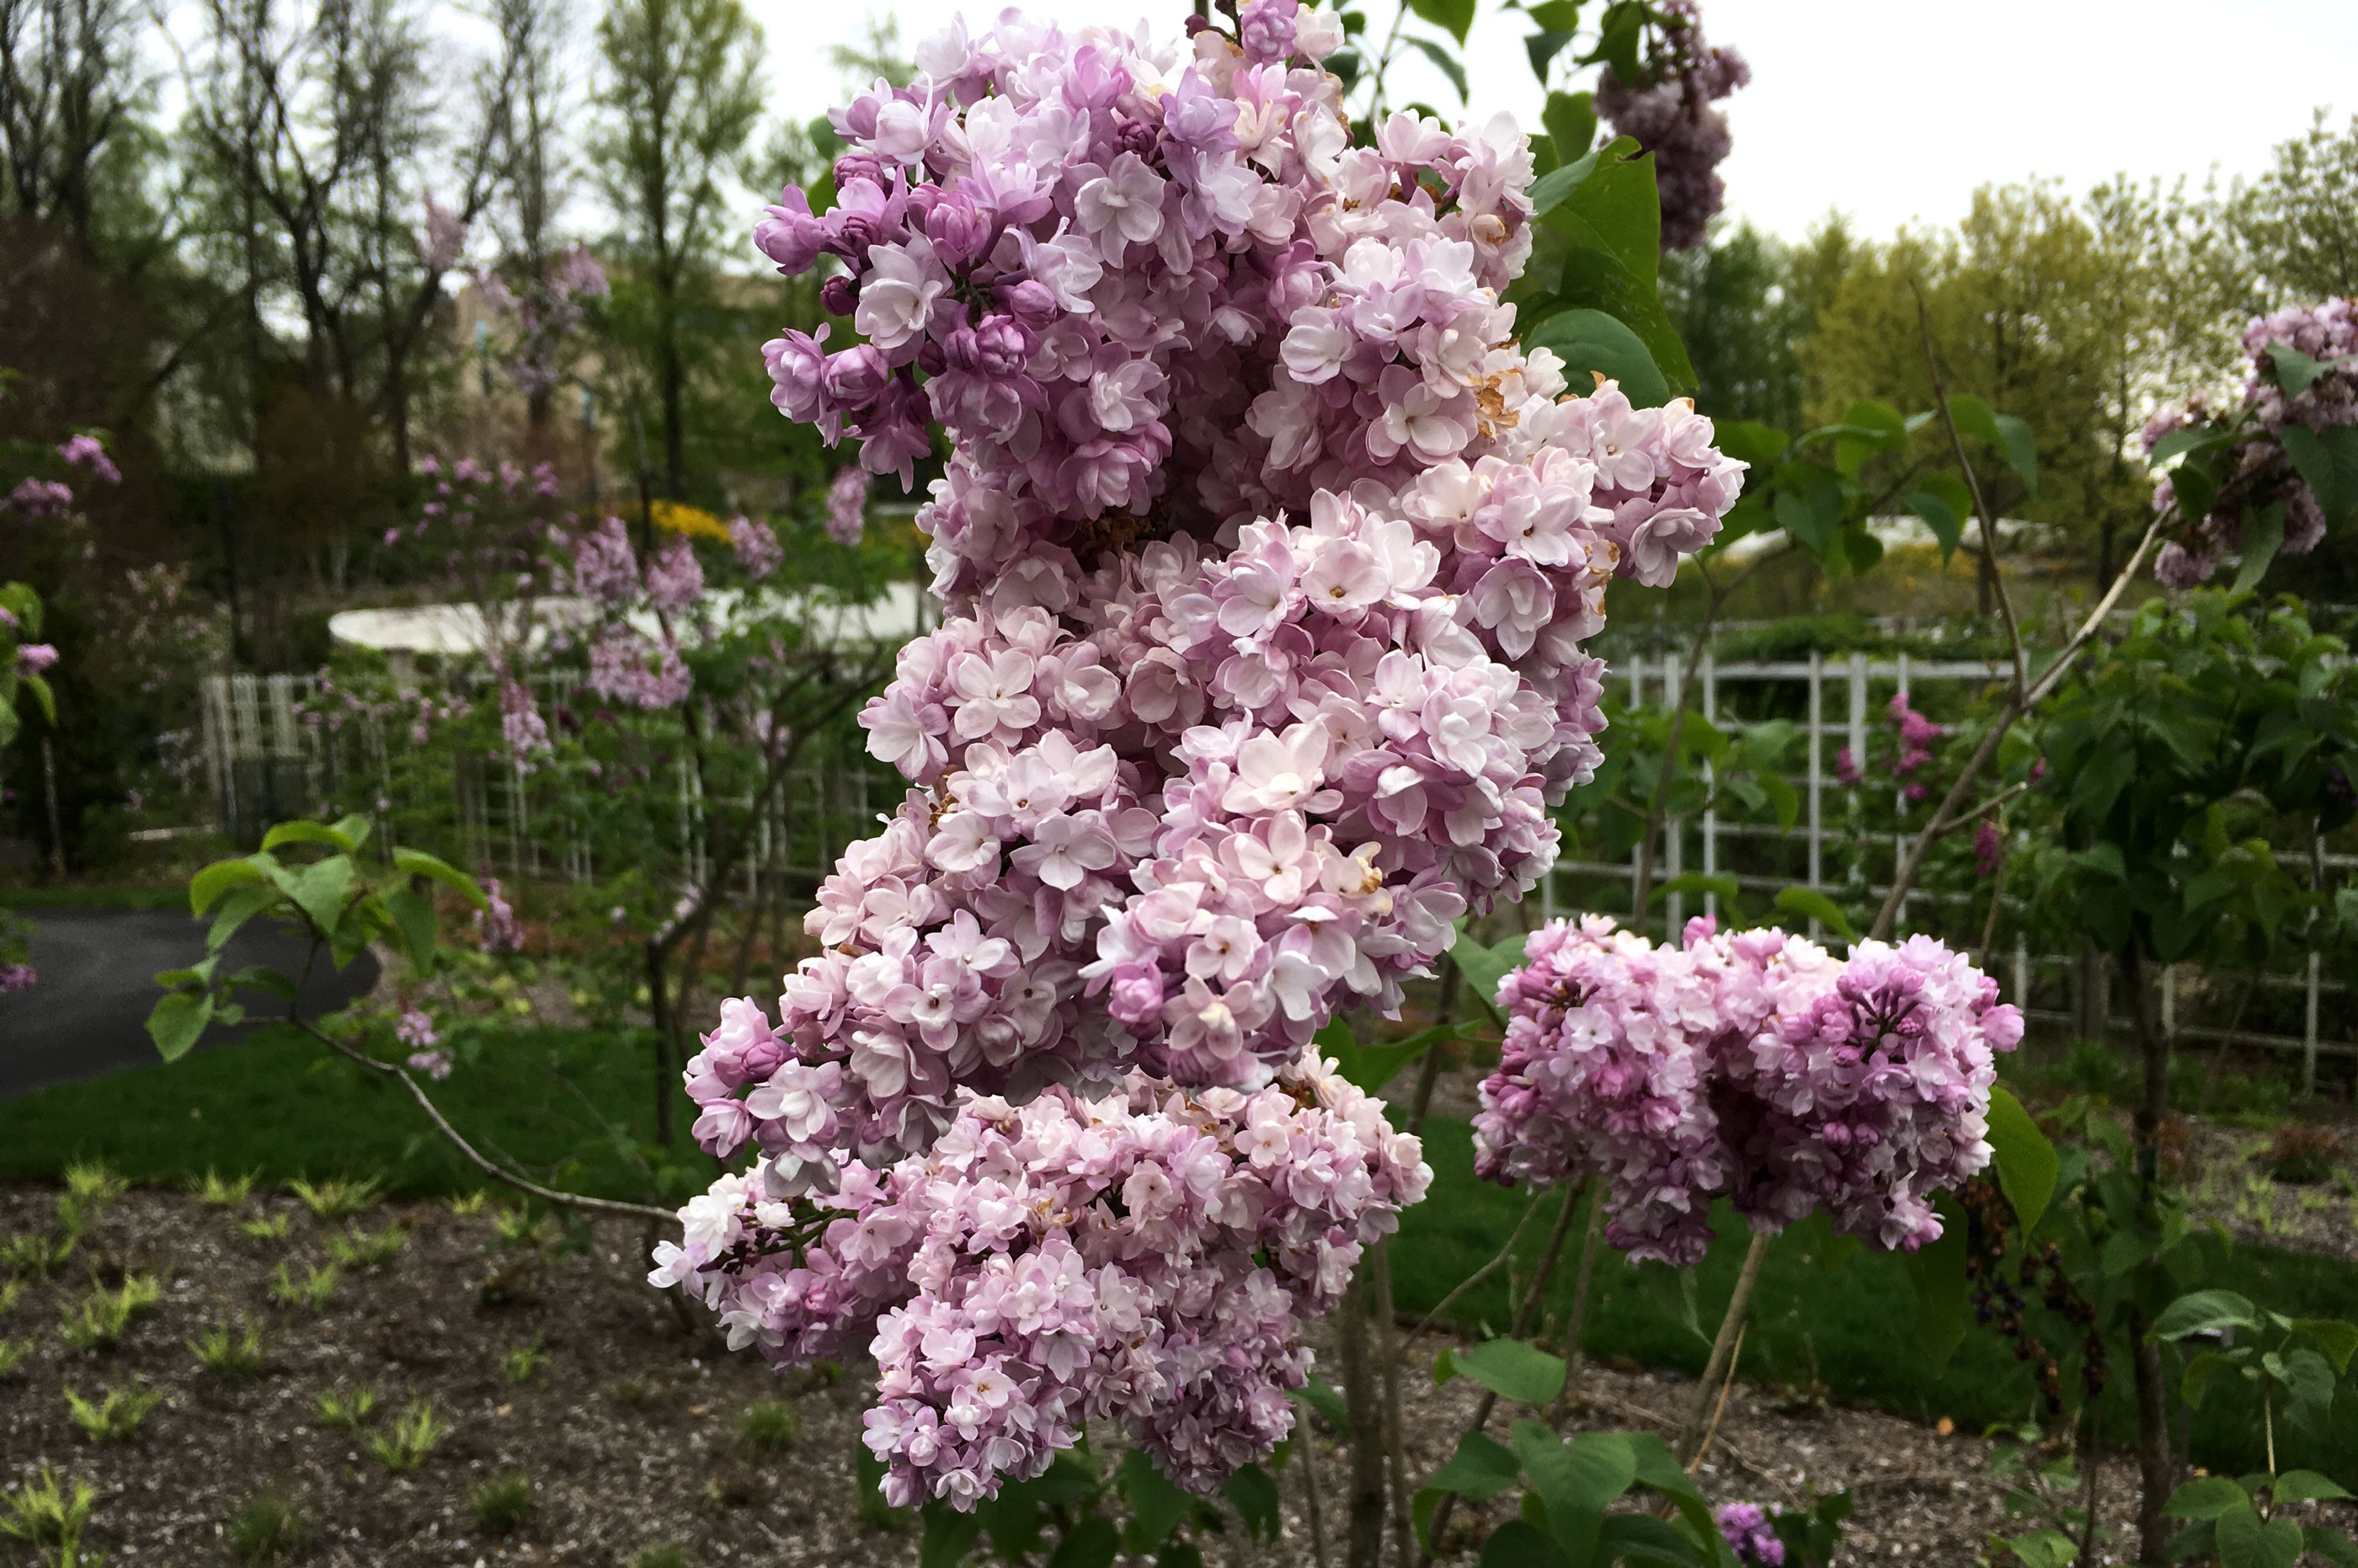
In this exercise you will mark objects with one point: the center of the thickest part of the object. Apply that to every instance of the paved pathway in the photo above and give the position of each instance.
(87, 1015)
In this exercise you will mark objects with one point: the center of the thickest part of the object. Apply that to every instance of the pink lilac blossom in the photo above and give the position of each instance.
(41, 498)
(2254, 471)
(1989, 849)
(1748, 1534)
(1752, 1066)
(675, 577)
(496, 924)
(1669, 112)
(35, 658)
(435, 1064)
(1917, 734)
(17, 978)
(444, 238)
(1148, 1255)
(755, 546)
(415, 1028)
(847, 504)
(1267, 552)
(87, 451)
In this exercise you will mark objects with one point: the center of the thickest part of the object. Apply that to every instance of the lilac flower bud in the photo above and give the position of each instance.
(854, 377)
(840, 296)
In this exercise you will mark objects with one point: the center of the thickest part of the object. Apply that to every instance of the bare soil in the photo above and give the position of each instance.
(630, 1431)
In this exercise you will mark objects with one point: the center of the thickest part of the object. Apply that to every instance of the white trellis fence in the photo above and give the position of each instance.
(1834, 701)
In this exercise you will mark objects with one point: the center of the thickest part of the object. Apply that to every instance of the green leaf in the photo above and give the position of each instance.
(1156, 1503)
(1570, 122)
(1750, 442)
(2027, 1161)
(1480, 1469)
(2338, 1339)
(2245, 1540)
(2305, 1486)
(1619, 35)
(1092, 1542)
(1939, 516)
(1321, 1397)
(1937, 1270)
(1452, 17)
(2008, 434)
(1512, 1370)
(414, 917)
(1541, 47)
(418, 863)
(1592, 343)
(1371, 1067)
(261, 977)
(1832, 1248)
(319, 891)
(950, 1536)
(2205, 1496)
(240, 904)
(179, 1022)
(2199, 1310)
(2330, 1544)
(1519, 1544)
(1484, 968)
(1811, 514)
(2296, 372)
(2310, 1379)
(1577, 1480)
(2327, 463)
(1641, 1538)
(2263, 537)
(2042, 1548)
(217, 879)
(345, 836)
(2103, 859)
(2205, 1365)
(42, 695)
(1254, 1497)
(1448, 64)
(1809, 904)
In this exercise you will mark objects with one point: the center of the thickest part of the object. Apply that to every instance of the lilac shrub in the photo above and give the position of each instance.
(1147, 1255)
(2254, 471)
(1752, 1066)
(1267, 554)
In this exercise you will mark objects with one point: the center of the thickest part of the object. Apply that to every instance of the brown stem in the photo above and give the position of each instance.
(2154, 1468)
(1525, 1316)
(1444, 1005)
(1364, 1545)
(2038, 692)
(1989, 922)
(1577, 1328)
(1722, 1348)
(1991, 574)
(490, 1168)
(1395, 1431)
(1480, 1274)
(1305, 1443)
(1719, 1411)
(2091, 1461)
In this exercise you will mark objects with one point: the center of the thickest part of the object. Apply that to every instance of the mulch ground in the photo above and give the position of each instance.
(628, 1431)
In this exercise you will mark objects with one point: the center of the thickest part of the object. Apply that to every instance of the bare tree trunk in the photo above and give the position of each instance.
(2156, 1475)
(1365, 1548)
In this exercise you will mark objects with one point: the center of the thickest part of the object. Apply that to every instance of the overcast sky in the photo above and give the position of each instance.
(1891, 110)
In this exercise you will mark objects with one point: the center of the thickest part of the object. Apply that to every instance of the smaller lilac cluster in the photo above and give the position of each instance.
(1917, 734)
(1148, 1256)
(755, 546)
(2257, 472)
(552, 306)
(1747, 1529)
(626, 664)
(496, 930)
(847, 504)
(1752, 1066)
(1670, 109)
(17, 978)
(414, 1031)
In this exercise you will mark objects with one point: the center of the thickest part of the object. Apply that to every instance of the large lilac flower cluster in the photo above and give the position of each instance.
(2258, 474)
(1268, 557)
(1752, 1066)
(1670, 110)
(1148, 1256)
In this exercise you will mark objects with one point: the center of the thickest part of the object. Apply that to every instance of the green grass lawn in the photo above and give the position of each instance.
(571, 1107)
(555, 1102)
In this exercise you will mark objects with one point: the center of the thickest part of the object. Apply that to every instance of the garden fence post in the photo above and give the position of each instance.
(1673, 829)
(1858, 709)
(1817, 776)
(2308, 1032)
(2022, 971)
(1899, 807)
(1710, 816)
(2169, 1002)
(1637, 700)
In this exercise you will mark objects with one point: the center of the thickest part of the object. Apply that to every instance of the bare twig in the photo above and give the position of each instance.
(1719, 1411)
(1480, 1274)
(489, 1167)
(1577, 1326)
(1983, 809)
(1723, 1349)
(1981, 503)
(2039, 691)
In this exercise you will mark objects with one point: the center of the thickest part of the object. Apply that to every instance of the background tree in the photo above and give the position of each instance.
(681, 91)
